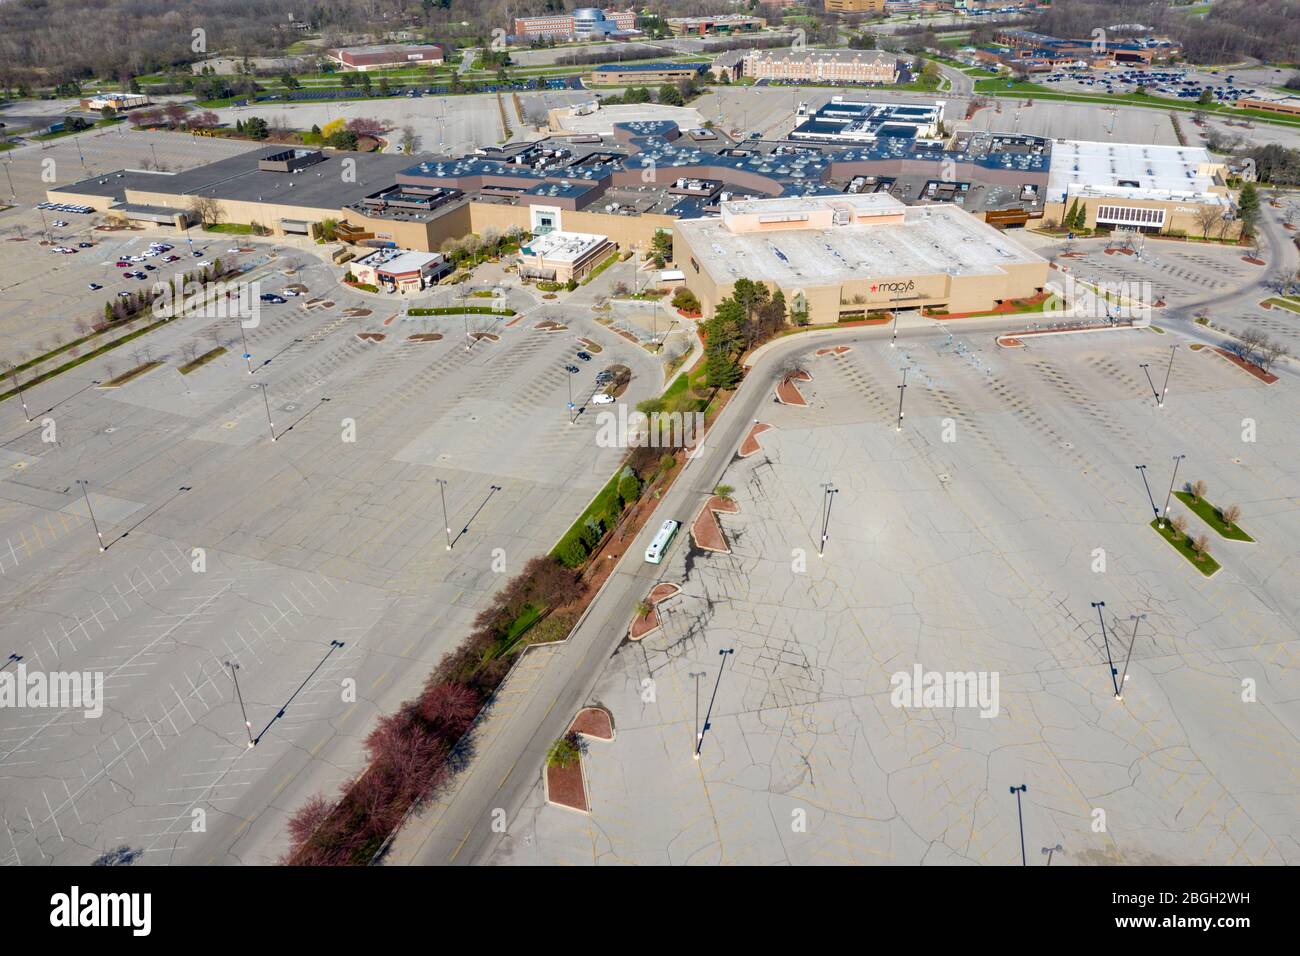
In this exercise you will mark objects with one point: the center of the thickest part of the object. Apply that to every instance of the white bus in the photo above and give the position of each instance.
(667, 531)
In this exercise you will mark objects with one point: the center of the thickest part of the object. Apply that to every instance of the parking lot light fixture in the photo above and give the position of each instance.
(1173, 349)
(1020, 813)
(1174, 477)
(91, 512)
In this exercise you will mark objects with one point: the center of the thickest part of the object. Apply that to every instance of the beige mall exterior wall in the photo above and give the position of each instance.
(624, 231)
(826, 304)
(1179, 217)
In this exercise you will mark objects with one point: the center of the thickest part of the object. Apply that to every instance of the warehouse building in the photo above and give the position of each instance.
(365, 58)
(841, 257)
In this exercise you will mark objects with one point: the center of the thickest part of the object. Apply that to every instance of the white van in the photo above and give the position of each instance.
(602, 398)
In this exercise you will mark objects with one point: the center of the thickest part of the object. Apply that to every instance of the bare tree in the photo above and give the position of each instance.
(1197, 489)
(1179, 523)
(1231, 514)
(207, 209)
(1270, 351)
(1207, 217)
(1201, 545)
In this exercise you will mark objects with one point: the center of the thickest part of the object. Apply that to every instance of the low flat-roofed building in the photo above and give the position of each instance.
(644, 74)
(1287, 105)
(856, 122)
(843, 256)
(560, 256)
(722, 24)
(384, 56)
(114, 101)
(400, 270)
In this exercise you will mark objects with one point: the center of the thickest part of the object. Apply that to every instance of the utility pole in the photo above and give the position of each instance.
(1172, 479)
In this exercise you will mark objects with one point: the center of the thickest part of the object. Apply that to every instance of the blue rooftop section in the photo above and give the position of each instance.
(792, 172)
(567, 190)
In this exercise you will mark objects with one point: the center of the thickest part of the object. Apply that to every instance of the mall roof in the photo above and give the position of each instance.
(563, 246)
(326, 185)
(1106, 165)
(931, 240)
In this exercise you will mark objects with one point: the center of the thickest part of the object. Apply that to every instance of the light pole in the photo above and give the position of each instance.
(91, 511)
(1172, 479)
(1136, 619)
(1020, 813)
(240, 694)
(267, 402)
(901, 389)
(442, 491)
(13, 374)
(248, 357)
(1049, 850)
(569, 378)
(1161, 402)
(828, 498)
(1146, 368)
(894, 339)
(1143, 469)
(699, 738)
(1109, 662)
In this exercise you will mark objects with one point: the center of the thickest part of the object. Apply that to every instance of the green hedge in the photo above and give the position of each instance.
(459, 310)
(601, 515)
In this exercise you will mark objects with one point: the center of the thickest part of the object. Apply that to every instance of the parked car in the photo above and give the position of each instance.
(272, 297)
(602, 398)
(572, 369)
(94, 286)
(585, 356)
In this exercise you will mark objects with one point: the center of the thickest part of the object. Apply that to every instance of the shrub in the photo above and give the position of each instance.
(564, 752)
